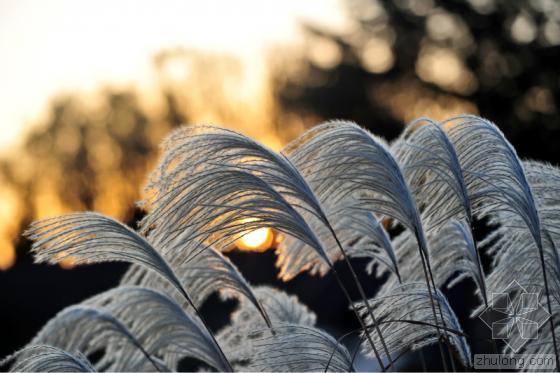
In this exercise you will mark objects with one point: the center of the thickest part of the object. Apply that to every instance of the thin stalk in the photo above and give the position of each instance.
(363, 296)
(339, 342)
(420, 352)
(146, 354)
(221, 352)
(541, 254)
(356, 349)
(483, 284)
(449, 352)
(362, 324)
(479, 263)
(424, 267)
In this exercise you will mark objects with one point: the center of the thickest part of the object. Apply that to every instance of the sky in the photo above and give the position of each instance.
(48, 47)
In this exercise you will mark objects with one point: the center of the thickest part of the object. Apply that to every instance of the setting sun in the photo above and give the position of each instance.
(258, 240)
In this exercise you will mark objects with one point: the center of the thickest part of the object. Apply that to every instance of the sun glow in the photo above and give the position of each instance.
(258, 240)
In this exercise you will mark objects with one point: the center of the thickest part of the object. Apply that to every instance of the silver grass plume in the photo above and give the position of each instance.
(298, 348)
(404, 314)
(294, 256)
(516, 256)
(497, 182)
(545, 183)
(240, 203)
(341, 159)
(219, 185)
(89, 237)
(452, 253)
(366, 237)
(92, 238)
(207, 273)
(282, 308)
(432, 169)
(292, 344)
(48, 359)
(89, 330)
(210, 153)
(493, 173)
(457, 255)
(207, 152)
(361, 235)
(163, 327)
(191, 148)
(518, 260)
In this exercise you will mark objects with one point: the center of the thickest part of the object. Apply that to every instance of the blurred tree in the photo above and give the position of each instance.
(93, 153)
(408, 58)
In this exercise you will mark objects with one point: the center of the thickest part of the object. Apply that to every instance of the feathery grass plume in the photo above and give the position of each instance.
(217, 207)
(192, 148)
(340, 159)
(493, 173)
(298, 348)
(539, 340)
(295, 256)
(497, 182)
(544, 179)
(545, 183)
(432, 169)
(89, 330)
(163, 327)
(406, 250)
(517, 258)
(359, 232)
(404, 314)
(92, 238)
(453, 256)
(457, 255)
(282, 308)
(208, 151)
(369, 240)
(89, 237)
(48, 359)
(204, 149)
(208, 272)
(249, 187)
(540, 343)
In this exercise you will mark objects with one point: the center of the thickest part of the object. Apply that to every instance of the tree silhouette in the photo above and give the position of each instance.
(409, 58)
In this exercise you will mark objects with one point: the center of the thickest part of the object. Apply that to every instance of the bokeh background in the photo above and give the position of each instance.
(89, 89)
